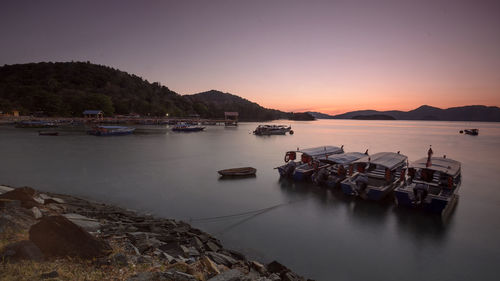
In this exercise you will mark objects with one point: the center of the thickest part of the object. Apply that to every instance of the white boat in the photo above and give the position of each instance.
(432, 185)
(303, 169)
(272, 130)
(377, 175)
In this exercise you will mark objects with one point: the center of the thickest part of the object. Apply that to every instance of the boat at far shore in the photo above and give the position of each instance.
(111, 131)
(472, 132)
(238, 172)
(264, 130)
(184, 127)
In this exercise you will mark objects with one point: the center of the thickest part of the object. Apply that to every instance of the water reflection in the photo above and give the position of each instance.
(409, 222)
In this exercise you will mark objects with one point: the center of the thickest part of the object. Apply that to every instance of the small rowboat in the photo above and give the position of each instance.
(40, 133)
(238, 172)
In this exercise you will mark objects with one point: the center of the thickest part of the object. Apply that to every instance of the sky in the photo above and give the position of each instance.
(327, 56)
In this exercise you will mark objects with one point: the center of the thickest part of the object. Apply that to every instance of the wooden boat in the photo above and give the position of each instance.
(303, 169)
(41, 133)
(377, 175)
(111, 131)
(238, 172)
(432, 185)
(262, 130)
(183, 127)
(332, 175)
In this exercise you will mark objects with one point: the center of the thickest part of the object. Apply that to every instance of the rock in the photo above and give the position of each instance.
(274, 277)
(36, 212)
(9, 203)
(22, 250)
(84, 222)
(209, 265)
(221, 259)
(174, 249)
(230, 275)
(148, 276)
(129, 247)
(259, 267)
(54, 200)
(276, 267)
(178, 276)
(192, 252)
(58, 237)
(4, 189)
(120, 259)
(23, 194)
(52, 274)
(196, 242)
(236, 255)
(290, 276)
(212, 246)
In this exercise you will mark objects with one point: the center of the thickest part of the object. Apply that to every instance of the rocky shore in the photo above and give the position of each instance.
(45, 236)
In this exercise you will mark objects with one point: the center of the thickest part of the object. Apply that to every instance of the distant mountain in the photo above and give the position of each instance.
(213, 104)
(425, 112)
(373, 117)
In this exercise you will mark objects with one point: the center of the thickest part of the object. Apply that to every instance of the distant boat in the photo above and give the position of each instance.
(377, 175)
(303, 169)
(183, 127)
(473, 132)
(35, 124)
(272, 130)
(111, 131)
(41, 133)
(238, 172)
(432, 185)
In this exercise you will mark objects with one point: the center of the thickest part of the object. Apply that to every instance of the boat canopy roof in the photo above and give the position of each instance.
(440, 164)
(319, 151)
(344, 158)
(389, 160)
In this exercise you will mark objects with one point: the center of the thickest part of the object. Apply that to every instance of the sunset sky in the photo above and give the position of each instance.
(328, 56)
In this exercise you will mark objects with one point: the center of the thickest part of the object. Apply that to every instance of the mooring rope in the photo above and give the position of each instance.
(219, 218)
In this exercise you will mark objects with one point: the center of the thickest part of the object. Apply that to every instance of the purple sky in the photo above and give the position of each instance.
(330, 56)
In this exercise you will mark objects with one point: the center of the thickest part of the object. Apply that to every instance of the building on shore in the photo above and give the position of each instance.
(93, 114)
(231, 118)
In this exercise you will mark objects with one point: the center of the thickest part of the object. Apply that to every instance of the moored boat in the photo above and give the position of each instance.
(35, 124)
(262, 130)
(376, 176)
(238, 172)
(332, 175)
(47, 133)
(472, 132)
(432, 184)
(183, 127)
(303, 169)
(111, 131)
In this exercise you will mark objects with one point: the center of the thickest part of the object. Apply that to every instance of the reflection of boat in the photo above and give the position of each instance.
(272, 130)
(238, 172)
(41, 133)
(332, 175)
(433, 184)
(376, 175)
(183, 127)
(35, 124)
(473, 132)
(303, 169)
(110, 131)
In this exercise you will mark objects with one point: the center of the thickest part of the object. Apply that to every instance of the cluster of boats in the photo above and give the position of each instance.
(264, 130)
(430, 183)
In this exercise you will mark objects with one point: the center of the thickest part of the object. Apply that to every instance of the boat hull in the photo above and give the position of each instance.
(104, 134)
(197, 129)
(238, 172)
(431, 204)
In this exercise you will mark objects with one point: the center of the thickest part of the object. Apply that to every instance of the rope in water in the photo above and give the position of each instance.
(219, 218)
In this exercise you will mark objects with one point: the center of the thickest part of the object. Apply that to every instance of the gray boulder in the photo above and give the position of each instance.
(22, 250)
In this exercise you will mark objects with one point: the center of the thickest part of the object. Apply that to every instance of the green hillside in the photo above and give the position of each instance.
(69, 88)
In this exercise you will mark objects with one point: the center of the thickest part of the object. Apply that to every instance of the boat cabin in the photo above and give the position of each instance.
(308, 163)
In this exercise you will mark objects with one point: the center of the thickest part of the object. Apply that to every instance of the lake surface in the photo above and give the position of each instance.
(317, 232)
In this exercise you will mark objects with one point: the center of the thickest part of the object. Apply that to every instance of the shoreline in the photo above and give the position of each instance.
(140, 246)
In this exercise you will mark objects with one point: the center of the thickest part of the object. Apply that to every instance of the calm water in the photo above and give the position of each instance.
(317, 232)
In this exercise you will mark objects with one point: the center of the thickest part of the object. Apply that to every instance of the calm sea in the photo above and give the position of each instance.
(319, 233)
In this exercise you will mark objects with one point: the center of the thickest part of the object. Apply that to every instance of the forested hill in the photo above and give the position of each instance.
(69, 88)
